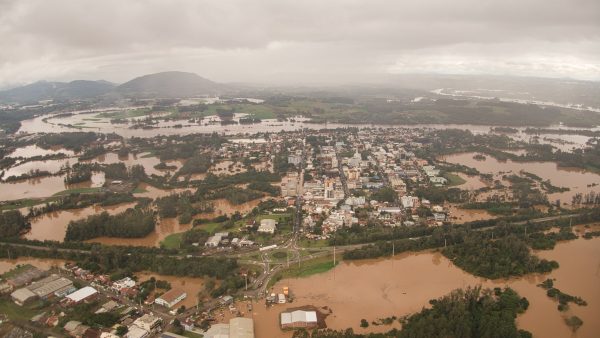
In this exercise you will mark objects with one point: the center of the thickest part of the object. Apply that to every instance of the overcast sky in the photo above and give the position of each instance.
(308, 41)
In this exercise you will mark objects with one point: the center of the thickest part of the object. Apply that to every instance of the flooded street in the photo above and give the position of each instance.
(53, 225)
(374, 289)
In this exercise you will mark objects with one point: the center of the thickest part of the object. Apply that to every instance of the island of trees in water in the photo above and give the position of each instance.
(472, 312)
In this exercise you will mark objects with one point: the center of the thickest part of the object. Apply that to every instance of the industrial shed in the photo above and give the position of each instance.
(22, 296)
(298, 318)
(82, 294)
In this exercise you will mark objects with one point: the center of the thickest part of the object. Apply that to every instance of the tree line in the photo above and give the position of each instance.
(132, 223)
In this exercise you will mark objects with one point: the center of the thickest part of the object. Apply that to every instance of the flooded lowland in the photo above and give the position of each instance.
(53, 225)
(577, 180)
(374, 289)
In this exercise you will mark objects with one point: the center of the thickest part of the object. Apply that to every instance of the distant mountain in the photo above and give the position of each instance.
(170, 84)
(43, 90)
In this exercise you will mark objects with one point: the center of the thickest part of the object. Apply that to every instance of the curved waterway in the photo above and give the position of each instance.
(380, 288)
(44, 123)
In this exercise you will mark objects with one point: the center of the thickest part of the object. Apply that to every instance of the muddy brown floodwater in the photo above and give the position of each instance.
(472, 182)
(164, 228)
(53, 225)
(148, 162)
(41, 263)
(33, 188)
(33, 150)
(459, 215)
(374, 289)
(575, 179)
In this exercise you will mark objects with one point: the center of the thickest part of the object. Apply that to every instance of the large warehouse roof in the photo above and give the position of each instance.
(82, 294)
(298, 316)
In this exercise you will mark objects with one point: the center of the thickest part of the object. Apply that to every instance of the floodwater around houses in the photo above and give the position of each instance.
(167, 226)
(374, 289)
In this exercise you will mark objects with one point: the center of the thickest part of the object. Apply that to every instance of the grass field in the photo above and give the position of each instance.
(211, 228)
(173, 241)
(139, 190)
(123, 114)
(309, 243)
(13, 311)
(453, 179)
(308, 268)
(25, 203)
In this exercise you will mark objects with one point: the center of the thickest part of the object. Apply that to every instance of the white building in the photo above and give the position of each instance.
(267, 226)
(148, 322)
(82, 294)
(171, 298)
(409, 201)
(134, 331)
(298, 318)
(123, 283)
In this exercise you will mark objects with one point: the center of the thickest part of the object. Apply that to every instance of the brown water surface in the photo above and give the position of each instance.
(32, 188)
(41, 263)
(33, 150)
(164, 228)
(373, 289)
(575, 179)
(53, 225)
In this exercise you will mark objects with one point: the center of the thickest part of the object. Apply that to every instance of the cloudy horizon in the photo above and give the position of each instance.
(285, 42)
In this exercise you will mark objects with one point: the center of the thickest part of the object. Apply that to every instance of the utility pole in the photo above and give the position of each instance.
(334, 255)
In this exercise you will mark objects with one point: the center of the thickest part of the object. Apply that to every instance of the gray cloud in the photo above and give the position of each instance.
(287, 41)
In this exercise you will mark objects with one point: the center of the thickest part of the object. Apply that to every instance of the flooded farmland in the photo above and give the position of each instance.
(164, 227)
(374, 289)
(32, 188)
(53, 225)
(41, 263)
(576, 180)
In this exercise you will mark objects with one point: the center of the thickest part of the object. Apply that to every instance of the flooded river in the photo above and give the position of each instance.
(374, 289)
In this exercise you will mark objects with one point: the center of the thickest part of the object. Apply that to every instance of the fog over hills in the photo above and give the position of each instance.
(170, 84)
(177, 84)
(44, 90)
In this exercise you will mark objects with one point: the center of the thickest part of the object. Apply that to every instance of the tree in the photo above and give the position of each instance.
(177, 327)
(122, 330)
(574, 323)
